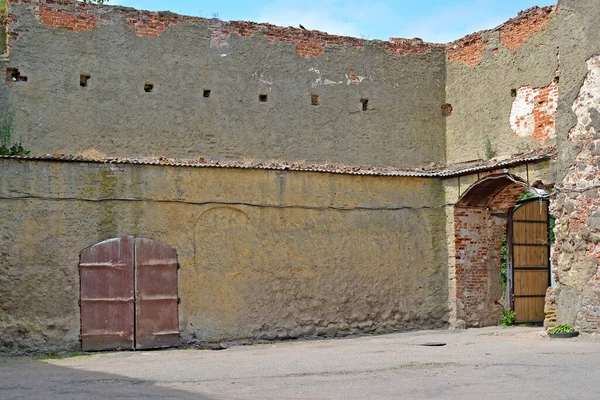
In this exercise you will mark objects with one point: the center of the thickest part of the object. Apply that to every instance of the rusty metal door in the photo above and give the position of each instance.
(529, 259)
(128, 295)
(156, 319)
(107, 300)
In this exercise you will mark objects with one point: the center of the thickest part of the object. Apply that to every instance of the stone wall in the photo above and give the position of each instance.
(577, 253)
(264, 254)
(577, 250)
(178, 86)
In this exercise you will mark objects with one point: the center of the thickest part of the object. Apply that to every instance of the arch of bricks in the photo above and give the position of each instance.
(480, 219)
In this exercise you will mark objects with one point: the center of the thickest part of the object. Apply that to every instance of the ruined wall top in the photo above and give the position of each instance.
(125, 82)
(76, 16)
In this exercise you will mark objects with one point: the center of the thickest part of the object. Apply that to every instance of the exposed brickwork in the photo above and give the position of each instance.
(534, 112)
(478, 278)
(353, 77)
(516, 31)
(401, 47)
(468, 50)
(507, 199)
(151, 24)
(478, 241)
(310, 43)
(74, 16)
(65, 14)
(13, 31)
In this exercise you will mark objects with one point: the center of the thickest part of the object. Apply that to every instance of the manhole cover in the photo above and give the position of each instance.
(433, 344)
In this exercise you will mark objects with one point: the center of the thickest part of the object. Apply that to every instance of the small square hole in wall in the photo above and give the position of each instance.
(83, 79)
(513, 92)
(13, 75)
(206, 93)
(314, 99)
(148, 87)
(365, 104)
(263, 98)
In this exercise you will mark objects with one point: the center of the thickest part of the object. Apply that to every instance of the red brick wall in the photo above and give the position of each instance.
(478, 277)
(151, 24)
(540, 122)
(507, 199)
(468, 50)
(516, 31)
(478, 234)
(69, 15)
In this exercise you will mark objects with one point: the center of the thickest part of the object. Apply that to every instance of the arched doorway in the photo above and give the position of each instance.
(128, 295)
(480, 221)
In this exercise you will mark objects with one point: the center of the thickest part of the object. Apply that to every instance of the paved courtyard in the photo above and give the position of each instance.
(490, 363)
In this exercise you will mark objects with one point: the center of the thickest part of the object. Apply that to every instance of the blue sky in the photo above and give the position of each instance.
(432, 20)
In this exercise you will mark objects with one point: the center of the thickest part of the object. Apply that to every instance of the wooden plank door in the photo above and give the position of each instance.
(156, 311)
(128, 295)
(107, 298)
(529, 253)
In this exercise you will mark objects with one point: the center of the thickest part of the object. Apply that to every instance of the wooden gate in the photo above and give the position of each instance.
(128, 295)
(529, 259)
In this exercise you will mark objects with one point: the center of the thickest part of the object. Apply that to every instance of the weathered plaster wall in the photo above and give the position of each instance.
(52, 44)
(503, 87)
(264, 254)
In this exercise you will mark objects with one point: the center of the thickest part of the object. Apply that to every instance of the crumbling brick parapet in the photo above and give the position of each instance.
(468, 50)
(313, 43)
(151, 24)
(513, 33)
(76, 16)
(517, 30)
(67, 14)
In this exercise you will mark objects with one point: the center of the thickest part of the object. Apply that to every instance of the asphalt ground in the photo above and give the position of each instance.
(489, 363)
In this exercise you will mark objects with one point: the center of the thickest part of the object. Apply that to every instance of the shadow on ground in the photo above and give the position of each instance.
(26, 379)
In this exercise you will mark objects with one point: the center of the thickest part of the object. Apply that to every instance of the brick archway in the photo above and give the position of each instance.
(480, 218)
